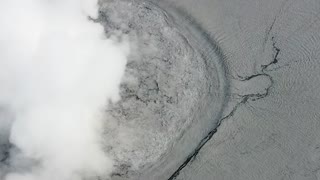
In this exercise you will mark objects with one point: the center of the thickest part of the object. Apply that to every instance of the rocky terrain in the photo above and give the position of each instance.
(171, 96)
(268, 55)
(214, 90)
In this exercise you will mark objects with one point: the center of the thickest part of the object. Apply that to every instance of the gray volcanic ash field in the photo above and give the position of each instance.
(211, 90)
(172, 94)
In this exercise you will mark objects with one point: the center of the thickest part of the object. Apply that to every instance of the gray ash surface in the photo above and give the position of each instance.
(168, 89)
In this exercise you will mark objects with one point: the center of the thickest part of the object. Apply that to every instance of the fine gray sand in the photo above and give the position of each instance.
(277, 136)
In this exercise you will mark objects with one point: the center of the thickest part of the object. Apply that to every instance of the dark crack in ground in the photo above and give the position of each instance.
(173, 89)
(245, 99)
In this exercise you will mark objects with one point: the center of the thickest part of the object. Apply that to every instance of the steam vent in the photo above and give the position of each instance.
(160, 90)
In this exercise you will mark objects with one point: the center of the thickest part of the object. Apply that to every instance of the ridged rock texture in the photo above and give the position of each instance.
(224, 90)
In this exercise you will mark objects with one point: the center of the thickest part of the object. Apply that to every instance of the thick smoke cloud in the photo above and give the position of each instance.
(57, 73)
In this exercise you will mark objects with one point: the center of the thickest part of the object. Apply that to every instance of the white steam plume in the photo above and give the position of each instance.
(57, 73)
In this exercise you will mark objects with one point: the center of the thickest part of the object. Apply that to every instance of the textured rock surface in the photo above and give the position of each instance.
(171, 95)
(270, 126)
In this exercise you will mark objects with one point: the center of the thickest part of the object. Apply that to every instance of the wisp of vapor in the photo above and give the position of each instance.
(57, 73)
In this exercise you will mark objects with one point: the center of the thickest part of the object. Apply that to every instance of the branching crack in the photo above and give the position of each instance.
(275, 57)
(205, 140)
(244, 100)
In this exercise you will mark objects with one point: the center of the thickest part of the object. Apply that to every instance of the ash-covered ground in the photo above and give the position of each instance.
(171, 95)
(275, 135)
(214, 89)
(269, 54)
